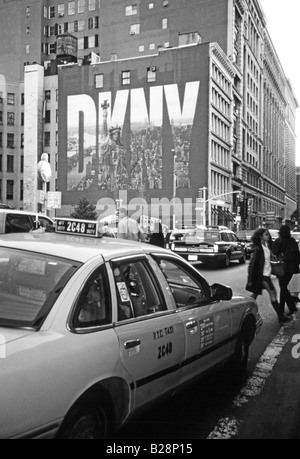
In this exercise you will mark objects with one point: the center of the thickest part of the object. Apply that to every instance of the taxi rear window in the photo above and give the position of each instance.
(29, 285)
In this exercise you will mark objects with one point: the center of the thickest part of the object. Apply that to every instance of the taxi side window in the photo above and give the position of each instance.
(93, 307)
(186, 289)
(137, 290)
(225, 237)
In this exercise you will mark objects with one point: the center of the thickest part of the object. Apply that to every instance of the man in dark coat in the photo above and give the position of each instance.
(286, 248)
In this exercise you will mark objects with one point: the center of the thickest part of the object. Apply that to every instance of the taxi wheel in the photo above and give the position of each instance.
(87, 420)
(240, 359)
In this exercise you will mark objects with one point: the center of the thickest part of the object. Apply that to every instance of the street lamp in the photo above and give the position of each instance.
(174, 185)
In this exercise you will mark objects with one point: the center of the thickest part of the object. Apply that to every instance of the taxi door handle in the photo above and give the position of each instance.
(132, 343)
(191, 324)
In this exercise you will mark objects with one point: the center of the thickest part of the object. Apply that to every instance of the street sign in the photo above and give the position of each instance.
(54, 200)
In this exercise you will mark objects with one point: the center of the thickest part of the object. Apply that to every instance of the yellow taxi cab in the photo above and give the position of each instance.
(19, 221)
(93, 329)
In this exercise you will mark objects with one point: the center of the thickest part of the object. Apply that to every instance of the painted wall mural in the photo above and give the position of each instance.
(100, 149)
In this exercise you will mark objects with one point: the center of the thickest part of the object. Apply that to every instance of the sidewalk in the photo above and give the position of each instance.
(268, 405)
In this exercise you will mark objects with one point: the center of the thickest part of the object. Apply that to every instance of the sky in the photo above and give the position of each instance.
(284, 29)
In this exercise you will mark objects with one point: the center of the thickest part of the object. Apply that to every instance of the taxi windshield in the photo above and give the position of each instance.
(203, 235)
(30, 283)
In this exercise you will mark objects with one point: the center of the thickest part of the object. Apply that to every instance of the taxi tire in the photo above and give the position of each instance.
(239, 362)
(86, 420)
(227, 260)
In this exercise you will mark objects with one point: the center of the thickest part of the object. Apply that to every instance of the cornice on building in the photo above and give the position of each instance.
(224, 60)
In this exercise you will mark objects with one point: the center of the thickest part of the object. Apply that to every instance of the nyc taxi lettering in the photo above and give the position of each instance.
(296, 348)
(165, 349)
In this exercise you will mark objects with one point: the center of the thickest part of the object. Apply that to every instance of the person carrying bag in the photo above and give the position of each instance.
(286, 249)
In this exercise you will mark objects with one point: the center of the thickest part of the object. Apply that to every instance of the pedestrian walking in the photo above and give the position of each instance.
(129, 228)
(259, 271)
(157, 236)
(286, 249)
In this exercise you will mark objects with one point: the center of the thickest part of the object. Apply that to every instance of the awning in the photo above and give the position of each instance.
(230, 216)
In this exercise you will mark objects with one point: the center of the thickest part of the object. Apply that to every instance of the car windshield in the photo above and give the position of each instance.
(30, 283)
(203, 235)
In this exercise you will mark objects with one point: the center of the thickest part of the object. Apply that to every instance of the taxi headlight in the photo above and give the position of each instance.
(173, 246)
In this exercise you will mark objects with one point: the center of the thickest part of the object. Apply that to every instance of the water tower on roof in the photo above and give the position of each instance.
(66, 48)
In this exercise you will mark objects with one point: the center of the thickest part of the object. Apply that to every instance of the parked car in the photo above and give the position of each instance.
(245, 236)
(177, 234)
(95, 329)
(18, 221)
(210, 245)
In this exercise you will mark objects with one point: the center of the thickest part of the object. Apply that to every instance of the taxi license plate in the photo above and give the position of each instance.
(192, 258)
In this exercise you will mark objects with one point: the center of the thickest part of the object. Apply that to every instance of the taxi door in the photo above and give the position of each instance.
(207, 325)
(151, 335)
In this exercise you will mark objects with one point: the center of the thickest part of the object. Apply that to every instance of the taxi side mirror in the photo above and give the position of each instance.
(220, 292)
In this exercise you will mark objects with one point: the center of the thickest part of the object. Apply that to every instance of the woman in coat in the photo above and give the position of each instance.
(286, 248)
(259, 271)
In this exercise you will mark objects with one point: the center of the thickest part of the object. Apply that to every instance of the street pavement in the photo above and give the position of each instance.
(268, 405)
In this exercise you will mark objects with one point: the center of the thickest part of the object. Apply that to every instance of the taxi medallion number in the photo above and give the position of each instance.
(87, 228)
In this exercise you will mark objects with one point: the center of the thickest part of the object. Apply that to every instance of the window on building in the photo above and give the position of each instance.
(27, 49)
(114, 57)
(22, 141)
(164, 23)
(10, 163)
(52, 31)
(93, 23)
(47, 139)
(125, 77)
(22, 98)
(92, 42)
(151, 6)
(52, 48)
(10, 141)
(131, 10)
(1, 140)
(56, 138)
(10, 118)
(48, 116)
(135, 29)
(48, 95)
(21, 190)
(71, 27)
(81, 25)
(1, 118)
(166, 3)
(1, 170)
(71, 8)
(61, 10)
(80, 43)
(141, 48)
(11, 98)
(56, 116)
(10, 190)
(27, 30)
(81, 6)
(51, 12)
(152, 46)
(151, 74)
(45, 12)
(27, 11)
(92, 5)
(99, 81)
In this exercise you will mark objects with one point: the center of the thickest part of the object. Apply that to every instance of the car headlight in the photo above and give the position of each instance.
(172, 246)
(216, 248)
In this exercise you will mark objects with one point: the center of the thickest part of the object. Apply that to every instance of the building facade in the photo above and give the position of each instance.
(255, 163)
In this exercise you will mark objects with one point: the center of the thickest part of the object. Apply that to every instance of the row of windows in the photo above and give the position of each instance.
(11, 118)
(71, 27)
(135, 29)
(10, 164)
(47, 138)
(220, 78)
(83, 43)
(69, 8)
(132, 10)
(219, 184)
(220, 155)
(11, 140)
(220, 128)
(10, 193)
(11, 99)
(126, 77)
(221, 104)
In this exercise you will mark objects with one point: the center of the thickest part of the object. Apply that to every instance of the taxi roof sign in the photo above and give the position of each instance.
(77, 227)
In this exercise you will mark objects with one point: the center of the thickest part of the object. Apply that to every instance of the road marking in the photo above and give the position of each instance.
(228, 427)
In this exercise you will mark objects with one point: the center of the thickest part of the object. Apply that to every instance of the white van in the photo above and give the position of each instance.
(18, 221)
